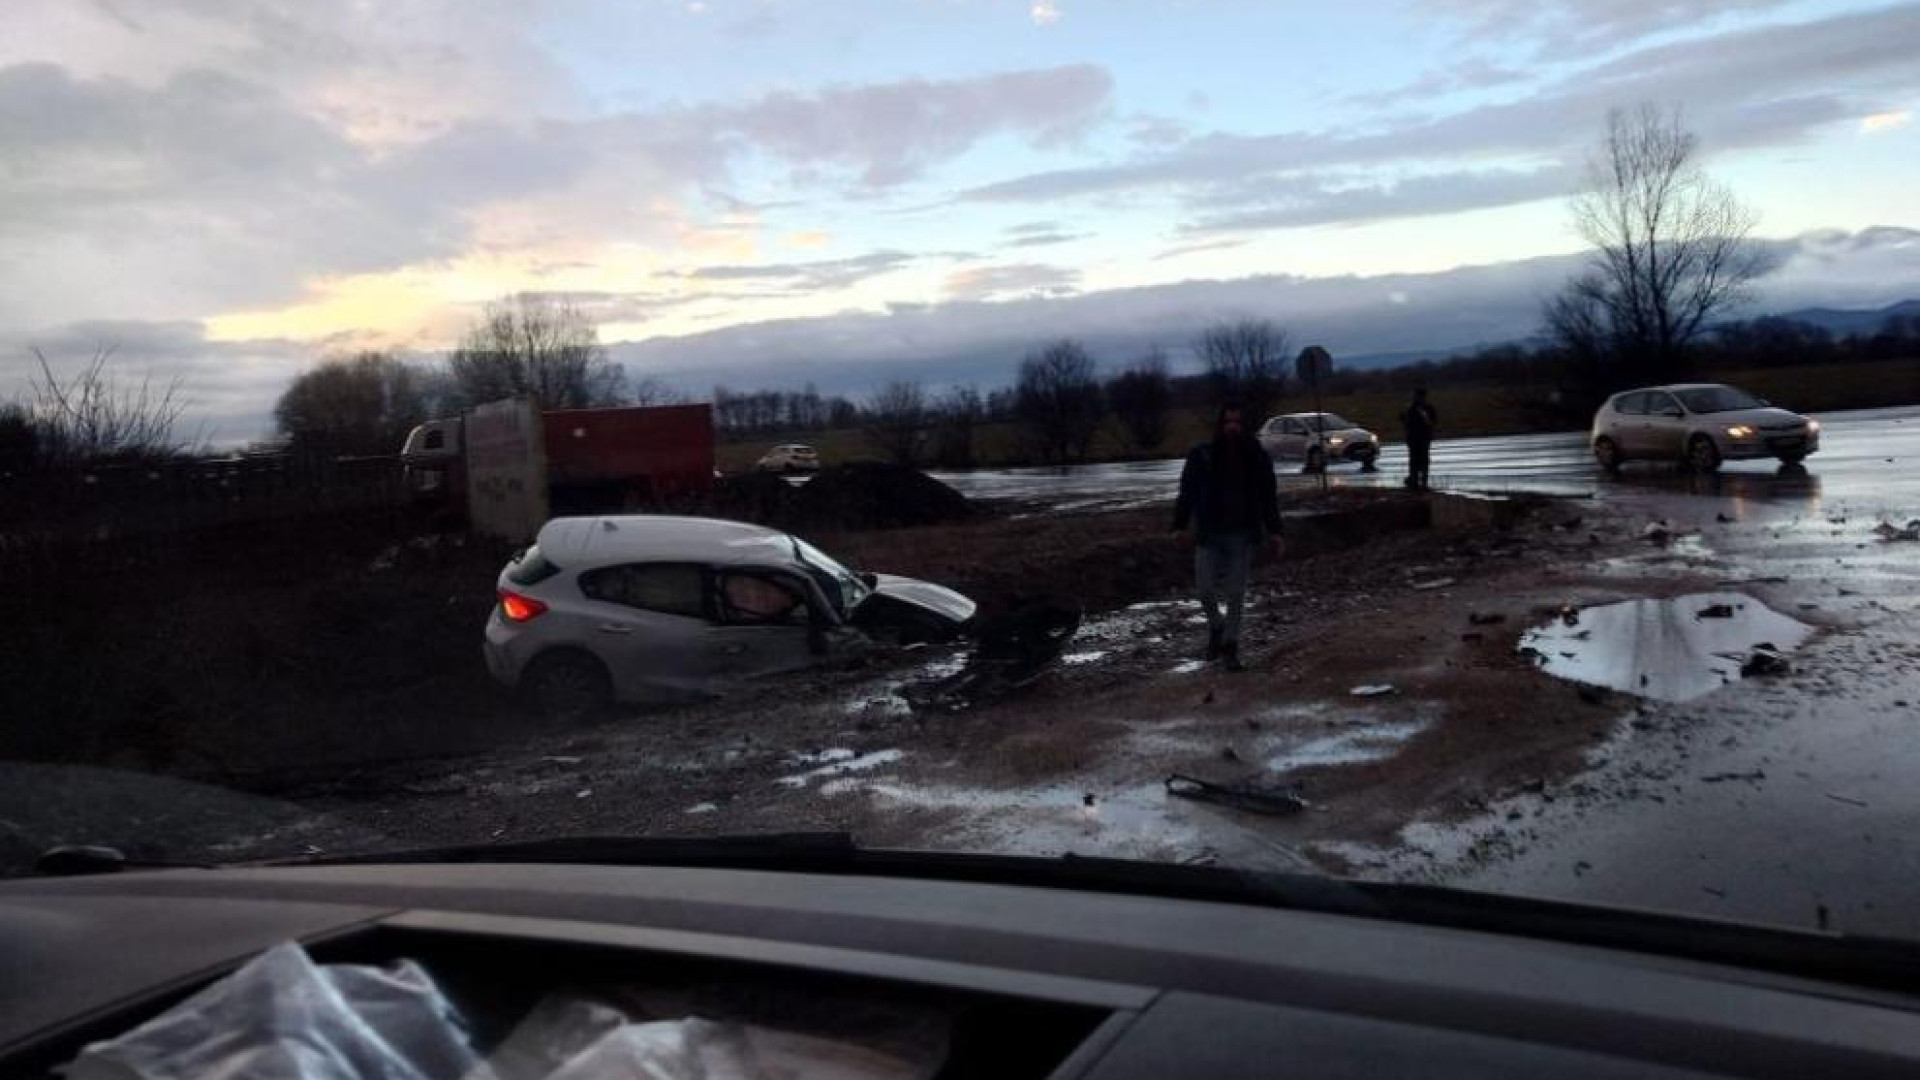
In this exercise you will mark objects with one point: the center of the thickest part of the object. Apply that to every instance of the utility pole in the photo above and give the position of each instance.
(1313, 361)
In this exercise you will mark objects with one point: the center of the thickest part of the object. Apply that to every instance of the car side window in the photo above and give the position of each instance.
(749, 599)
(436, 439)
(666, 588)
(1291, 427)
(1634, 404)
(1662, 405)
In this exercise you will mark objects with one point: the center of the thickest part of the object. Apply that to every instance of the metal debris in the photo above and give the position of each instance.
(1249, 796)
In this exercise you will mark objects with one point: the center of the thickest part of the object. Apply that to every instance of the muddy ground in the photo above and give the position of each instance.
(1402, 685)
(1077, 762)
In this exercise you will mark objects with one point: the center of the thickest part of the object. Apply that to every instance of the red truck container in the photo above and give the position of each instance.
(598, 460)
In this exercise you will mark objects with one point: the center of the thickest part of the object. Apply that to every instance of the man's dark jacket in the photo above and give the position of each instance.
(1210, 508)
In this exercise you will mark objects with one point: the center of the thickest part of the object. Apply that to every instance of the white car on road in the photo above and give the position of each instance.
(645, 608)
(1699, 425)
(786, 459)
(1318, 439)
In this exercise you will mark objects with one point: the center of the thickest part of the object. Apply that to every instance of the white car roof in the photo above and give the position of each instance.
(576, 542)
(1308, 416)
(1677, 386)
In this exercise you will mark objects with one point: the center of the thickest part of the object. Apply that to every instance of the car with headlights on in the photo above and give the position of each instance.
(1319, 439)
(1698, 425)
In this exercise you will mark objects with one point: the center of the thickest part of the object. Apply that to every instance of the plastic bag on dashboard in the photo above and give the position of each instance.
(574, 1036)
(283, 1017)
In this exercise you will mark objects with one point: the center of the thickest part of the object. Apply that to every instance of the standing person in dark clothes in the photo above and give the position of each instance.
(1229, 508)
(1420, 419)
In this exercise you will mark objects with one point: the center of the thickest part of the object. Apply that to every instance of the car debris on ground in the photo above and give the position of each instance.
(1890, 533)
(1009, 652)
(1765, 660)
(1251, 796)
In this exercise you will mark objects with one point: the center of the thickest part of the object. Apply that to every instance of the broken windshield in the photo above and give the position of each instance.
(842, 585)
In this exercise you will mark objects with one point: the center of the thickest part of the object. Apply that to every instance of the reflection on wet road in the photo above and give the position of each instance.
(1872, 452)
(1671, 650)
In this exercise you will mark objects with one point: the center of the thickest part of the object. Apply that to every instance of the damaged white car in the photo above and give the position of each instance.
(651, 609)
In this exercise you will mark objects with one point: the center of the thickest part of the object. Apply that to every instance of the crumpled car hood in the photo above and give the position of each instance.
(938, 599)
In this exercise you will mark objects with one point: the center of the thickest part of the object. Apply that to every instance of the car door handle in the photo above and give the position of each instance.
(613, 628)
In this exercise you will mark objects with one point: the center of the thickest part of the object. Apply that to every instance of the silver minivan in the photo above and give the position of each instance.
(1699, 425)
(643, 608)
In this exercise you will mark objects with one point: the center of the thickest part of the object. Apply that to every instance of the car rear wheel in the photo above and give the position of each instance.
(1607, 453)
(567, 687)
(1702, 455)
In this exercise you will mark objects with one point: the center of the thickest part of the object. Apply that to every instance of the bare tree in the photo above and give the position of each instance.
(1058, 400)
(1671, 249)
(91, 415)
(363, 404)
(896, 421)
(1247, 361)
(954, 417)
(1142, 400)
(654, 391)
(537, 346)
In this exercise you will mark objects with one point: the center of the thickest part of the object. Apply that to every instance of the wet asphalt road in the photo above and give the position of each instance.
(1871, 452)
(1792, 800)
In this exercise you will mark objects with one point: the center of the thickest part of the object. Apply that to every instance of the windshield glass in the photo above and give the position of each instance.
(723, 301)
(841, 584)
(1713, 399)
(1330, 422)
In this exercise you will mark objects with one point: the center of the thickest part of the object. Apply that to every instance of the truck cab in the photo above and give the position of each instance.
(430, 460)
(607, 460)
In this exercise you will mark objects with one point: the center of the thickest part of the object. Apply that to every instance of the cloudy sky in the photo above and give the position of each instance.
(762, 190)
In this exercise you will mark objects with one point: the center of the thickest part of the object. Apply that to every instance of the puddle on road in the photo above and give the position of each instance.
(1301, 736)
(838, 765)
(886, 699)
(1663, 649)
(1361, 745)
(1078, 658)
(1137, 821)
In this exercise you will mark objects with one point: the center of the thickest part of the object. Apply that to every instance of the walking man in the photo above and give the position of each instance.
(1228, 510)
(1419, 420)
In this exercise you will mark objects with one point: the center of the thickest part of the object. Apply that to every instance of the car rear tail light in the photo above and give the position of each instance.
(519, 608)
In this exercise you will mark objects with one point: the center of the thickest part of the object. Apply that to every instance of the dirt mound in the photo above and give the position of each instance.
(855, 497)
(868, 495)
(760, 497)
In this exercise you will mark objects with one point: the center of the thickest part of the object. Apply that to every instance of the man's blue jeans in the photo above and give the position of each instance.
(1221, 565)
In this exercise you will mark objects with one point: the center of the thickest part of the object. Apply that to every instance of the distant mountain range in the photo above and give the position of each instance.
(1839, 322)
(1829, 278)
